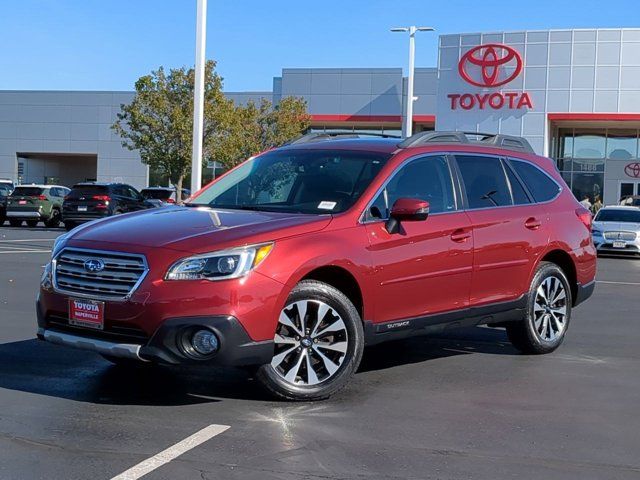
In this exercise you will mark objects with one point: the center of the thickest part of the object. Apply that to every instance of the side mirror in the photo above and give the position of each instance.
(407, 210)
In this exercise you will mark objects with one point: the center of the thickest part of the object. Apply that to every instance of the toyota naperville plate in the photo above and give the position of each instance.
(86, 313)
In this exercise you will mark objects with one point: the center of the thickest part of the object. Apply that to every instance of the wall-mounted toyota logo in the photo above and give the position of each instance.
(633, 169)
(94, 265)
(490, 58)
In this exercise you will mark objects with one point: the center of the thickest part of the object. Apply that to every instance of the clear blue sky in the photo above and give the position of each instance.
(108, 44)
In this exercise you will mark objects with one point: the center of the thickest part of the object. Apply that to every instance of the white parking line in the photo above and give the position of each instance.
(29, 240)
(617, 283)
(172, 452)
(15, 252)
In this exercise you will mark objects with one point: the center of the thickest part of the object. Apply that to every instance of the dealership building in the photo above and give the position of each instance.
(573, 94)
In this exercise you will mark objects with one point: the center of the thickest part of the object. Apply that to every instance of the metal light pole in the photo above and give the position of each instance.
(408, 119)
(198, 96)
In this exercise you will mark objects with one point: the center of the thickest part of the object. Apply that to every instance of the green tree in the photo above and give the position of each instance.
(159, 121)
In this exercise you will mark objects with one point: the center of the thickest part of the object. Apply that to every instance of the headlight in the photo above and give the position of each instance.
(59, 243)
(221, 265)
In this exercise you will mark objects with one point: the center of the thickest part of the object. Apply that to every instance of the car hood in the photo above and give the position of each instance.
(195, 230)
(617, 226)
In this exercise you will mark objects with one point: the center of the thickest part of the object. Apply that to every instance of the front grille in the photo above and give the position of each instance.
(612, 236)
(120, 276)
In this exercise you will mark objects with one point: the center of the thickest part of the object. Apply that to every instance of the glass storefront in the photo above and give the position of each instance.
(581, 155)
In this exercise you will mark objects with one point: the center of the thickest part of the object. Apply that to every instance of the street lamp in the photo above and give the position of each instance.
(198, 96)
(408, 119)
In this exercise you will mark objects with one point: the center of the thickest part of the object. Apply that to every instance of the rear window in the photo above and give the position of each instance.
(156, 194)
(27, 192)
(606, 215)
(4, 190)
(539, 184)
(85, 190)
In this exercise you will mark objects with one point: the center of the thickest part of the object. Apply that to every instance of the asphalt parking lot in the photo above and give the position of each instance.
(463, 405)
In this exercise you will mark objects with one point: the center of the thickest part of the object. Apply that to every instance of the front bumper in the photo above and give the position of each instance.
(25, 214)
(165, 346)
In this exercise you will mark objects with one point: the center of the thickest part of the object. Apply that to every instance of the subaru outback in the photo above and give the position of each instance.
(294, 261)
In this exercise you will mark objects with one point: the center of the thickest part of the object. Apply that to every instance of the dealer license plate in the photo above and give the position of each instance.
(86, 313)
(619, 244)
(22, 202)
(82, 209)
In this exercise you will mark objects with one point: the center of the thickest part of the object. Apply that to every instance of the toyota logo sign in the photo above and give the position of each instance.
(490, 58)
(633, 169)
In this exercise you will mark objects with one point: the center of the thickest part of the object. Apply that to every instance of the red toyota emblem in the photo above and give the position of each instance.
(489, 58)
(633, 169)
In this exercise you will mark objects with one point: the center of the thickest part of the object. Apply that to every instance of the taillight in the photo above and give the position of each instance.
(66, 197)
(585, 217)
(102, 198)
(42, 197)
(170, 200)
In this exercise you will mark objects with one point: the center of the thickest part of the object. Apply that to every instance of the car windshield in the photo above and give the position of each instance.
(302, 181)
(615, 215)
(156, 194)
(27, 192)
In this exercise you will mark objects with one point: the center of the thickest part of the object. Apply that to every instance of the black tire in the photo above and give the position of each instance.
(69, 226)
(32, 223)
(54, 219)
(311, 290)
(15, 222)
(532, 337)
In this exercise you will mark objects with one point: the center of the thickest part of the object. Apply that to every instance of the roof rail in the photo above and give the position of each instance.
(335, 135)
(508, 142)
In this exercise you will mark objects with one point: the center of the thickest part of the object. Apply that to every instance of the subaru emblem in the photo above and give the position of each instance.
(94, 265)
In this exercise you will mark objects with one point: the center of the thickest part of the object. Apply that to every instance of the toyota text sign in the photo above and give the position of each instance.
(490, 66)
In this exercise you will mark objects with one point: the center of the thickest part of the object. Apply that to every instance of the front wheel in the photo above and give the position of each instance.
(318, 344)
(548, 312)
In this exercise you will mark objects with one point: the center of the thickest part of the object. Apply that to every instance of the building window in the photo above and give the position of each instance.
(581, 155)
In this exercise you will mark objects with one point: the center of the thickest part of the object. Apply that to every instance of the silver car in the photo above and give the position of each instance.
(617, 230)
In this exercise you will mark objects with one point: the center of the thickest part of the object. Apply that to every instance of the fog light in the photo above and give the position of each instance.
(205, 342)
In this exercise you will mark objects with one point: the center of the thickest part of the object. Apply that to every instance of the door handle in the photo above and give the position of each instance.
(460, 235)
(532, 223)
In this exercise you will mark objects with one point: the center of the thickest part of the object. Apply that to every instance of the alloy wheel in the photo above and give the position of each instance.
(311, 343)
(550, 309)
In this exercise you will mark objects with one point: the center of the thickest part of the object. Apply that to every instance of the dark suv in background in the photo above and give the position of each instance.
(5, 191)
(36, 203)
(90, 200)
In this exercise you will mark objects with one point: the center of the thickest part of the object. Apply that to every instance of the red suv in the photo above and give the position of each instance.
(300, 257)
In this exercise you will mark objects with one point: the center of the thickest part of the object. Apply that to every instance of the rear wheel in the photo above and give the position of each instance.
(318, 344)
(69, 226)
(32, 223)
(54, 220)
(15, 223)
(548, 312)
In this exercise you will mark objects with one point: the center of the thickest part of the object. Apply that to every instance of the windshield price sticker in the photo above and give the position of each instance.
(324, 205)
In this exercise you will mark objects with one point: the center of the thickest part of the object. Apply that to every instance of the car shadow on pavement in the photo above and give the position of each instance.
(462, 341)
(37, 367)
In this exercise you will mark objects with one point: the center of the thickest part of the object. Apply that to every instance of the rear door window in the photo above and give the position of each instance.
(484, 181)
(541, 186)
(27, 192)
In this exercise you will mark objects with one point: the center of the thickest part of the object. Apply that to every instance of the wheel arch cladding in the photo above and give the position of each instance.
(563, 260)
(342, 280)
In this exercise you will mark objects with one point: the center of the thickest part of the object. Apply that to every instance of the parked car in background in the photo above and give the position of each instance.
(5, 191)
(36, 203)
(162, 196)
(294, 261)
(7, 182)
(617, 230)
(91, 200)
(631, 201)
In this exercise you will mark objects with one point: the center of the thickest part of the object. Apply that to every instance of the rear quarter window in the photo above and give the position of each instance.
(541, 186)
